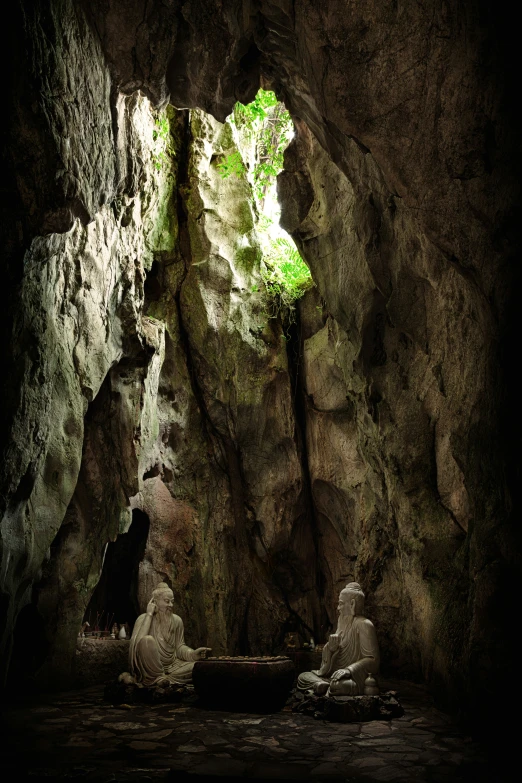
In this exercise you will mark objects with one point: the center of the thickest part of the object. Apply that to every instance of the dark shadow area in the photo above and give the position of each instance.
(30, 648)
(115, 599)
(55, 742)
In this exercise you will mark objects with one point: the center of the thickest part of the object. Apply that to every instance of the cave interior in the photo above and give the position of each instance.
(161, 423)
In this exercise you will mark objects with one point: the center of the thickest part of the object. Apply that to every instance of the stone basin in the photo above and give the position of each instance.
(257, 684)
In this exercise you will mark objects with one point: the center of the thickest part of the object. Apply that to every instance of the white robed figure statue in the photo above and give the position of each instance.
(350, 655)
(158, 654)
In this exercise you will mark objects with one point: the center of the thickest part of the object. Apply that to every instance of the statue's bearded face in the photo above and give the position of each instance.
(343, 607)
(165, 601)
(346, 606)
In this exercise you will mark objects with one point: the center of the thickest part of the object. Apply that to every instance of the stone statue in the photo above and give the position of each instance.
(158, 654)
(351, 655)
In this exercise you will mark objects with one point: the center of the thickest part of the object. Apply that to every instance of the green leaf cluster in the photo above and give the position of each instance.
(162, 141)
(267, 119)
(231, 165)
(257, 110)
(286, 276)
(268, 124)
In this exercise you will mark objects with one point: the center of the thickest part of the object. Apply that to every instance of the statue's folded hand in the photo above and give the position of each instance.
(341, 674)
(201, 652)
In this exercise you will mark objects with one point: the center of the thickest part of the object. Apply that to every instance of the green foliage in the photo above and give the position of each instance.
(162, 141)
(271, 147)
(231, 165)
(286, 276)
(257, 110)
(161, 129)
(269, 121)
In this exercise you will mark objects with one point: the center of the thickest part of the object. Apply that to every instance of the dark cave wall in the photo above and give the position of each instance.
(410, 236)
(74, 305)
(412, 257)
(389, 372)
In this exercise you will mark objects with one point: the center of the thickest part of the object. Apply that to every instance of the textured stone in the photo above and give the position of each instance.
(369, 382)
(227, 496)
(91, 353)
(307, 743)
(99, 661)
(139, 745)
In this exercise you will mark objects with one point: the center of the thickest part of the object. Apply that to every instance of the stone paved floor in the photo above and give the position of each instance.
(77, 736)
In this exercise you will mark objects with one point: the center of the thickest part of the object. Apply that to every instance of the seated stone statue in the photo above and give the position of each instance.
(350, 655)
(158, 654)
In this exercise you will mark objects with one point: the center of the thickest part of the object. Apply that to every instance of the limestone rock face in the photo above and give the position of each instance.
(223, 485)
(84, 355)
(389, 368)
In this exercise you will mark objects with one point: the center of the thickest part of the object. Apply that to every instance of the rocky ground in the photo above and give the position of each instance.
(79, 736)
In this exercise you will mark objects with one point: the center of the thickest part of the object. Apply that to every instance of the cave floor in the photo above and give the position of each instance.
(78, 736)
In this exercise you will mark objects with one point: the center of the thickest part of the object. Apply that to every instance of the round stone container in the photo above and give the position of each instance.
(254, 684)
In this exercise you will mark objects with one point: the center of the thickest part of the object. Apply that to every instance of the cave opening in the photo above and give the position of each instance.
(115, 598)
(262, 131)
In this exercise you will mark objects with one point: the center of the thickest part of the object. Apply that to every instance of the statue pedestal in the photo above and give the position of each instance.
(117, 692)
(355, 709)
(254, 684)
(349, 709)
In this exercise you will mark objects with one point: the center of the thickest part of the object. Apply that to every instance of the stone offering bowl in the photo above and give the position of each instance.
(253, 684)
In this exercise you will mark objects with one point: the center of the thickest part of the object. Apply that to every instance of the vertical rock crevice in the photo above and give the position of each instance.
(225, 385)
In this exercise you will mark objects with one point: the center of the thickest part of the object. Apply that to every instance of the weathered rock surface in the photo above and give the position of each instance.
(98, 661)
(187, 742)
(399, 465)
(394, 373)
(223, 484)
(86, 357)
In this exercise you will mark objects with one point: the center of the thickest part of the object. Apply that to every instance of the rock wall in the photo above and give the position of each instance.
(412, 252)
(394, 371)
(141, 372)
(81, 355)
(223, 485)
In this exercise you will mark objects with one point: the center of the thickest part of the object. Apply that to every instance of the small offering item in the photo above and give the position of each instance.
(370, 686)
